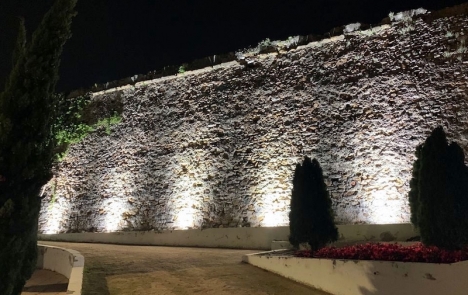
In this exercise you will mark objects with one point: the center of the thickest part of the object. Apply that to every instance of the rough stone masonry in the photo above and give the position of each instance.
(217, 147)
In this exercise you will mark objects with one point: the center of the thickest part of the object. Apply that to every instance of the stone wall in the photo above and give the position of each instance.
(217, 147)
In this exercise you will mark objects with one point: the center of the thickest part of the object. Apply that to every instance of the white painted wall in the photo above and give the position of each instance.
(240, 237)
(346, 277)
(69, 263)
(376, 232)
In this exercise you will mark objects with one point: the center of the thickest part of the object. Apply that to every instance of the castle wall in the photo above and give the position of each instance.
(217, 147)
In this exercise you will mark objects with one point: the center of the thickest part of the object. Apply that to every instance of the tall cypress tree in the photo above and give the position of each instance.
(413, 195)
(458, 180)
(311, 217)
(27, 112)
(439, 204)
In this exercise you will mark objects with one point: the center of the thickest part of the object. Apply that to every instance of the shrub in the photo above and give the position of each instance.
(439, 193)
(107, 123)
(311, 217)
(183, 68)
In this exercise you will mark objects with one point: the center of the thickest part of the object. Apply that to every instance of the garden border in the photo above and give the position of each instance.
(67, 262)
(262, 238)
(366, 277)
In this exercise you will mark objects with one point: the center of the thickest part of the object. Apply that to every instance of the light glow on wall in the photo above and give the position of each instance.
(57, 209)
(185, 207)
(53, 223)
(186, 217)
(272, 215)
(386, 205)
(273, 190)
(113, 220)
(117, 205)
(188, 191)
(382, 213)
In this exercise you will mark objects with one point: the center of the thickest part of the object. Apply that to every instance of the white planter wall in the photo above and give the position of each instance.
(347, 277)
(69, 263)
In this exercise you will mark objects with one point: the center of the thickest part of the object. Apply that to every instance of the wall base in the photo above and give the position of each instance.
(242, 237)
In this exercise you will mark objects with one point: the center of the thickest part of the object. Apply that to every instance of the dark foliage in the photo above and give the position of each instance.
(27, 114)
(311, 218)
(439, 201)
(413, 194)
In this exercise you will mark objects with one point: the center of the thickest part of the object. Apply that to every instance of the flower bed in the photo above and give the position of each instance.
(389, 252)
(354, 276)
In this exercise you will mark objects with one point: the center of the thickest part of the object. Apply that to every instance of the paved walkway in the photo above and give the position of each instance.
(46, 282)
(127, 270)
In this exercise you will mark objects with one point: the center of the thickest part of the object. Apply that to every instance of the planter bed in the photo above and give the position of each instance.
(414, 252)
(364, 276)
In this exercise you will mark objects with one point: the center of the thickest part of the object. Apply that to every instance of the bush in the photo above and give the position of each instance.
(439, 193)
(311, 217)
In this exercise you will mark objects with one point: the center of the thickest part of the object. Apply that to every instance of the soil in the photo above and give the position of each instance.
(119, 269)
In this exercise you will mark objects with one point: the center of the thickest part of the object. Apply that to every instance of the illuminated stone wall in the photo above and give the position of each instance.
(217, 147)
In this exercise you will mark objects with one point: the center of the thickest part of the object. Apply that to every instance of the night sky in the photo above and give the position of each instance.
(114, 39)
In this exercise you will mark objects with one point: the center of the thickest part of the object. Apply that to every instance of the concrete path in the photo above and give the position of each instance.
(116, 269)
(46, 282)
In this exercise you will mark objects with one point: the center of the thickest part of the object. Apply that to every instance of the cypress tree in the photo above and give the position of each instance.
(457, 179)
(311, 217)
(439, 205)
(413, 195)
(27, 112)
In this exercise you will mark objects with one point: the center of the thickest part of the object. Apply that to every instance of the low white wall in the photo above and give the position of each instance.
(376, 232)
(66, 262)
(241, 237)
(359, 233)
(346, 277)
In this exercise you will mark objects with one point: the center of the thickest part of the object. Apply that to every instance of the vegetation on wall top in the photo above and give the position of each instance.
(77, 118)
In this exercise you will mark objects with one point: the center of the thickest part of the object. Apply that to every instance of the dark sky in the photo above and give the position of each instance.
(114, 39)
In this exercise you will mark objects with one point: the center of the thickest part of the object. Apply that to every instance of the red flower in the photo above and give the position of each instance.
(389, 252)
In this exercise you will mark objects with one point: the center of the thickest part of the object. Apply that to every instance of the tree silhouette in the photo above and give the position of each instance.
(27, 112)
(439, 193)
(311, 218)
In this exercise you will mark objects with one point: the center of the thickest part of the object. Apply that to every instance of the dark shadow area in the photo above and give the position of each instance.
(49, 288)
(94, 279)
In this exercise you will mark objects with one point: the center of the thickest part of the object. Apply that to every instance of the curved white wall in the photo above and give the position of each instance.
(66, 262)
